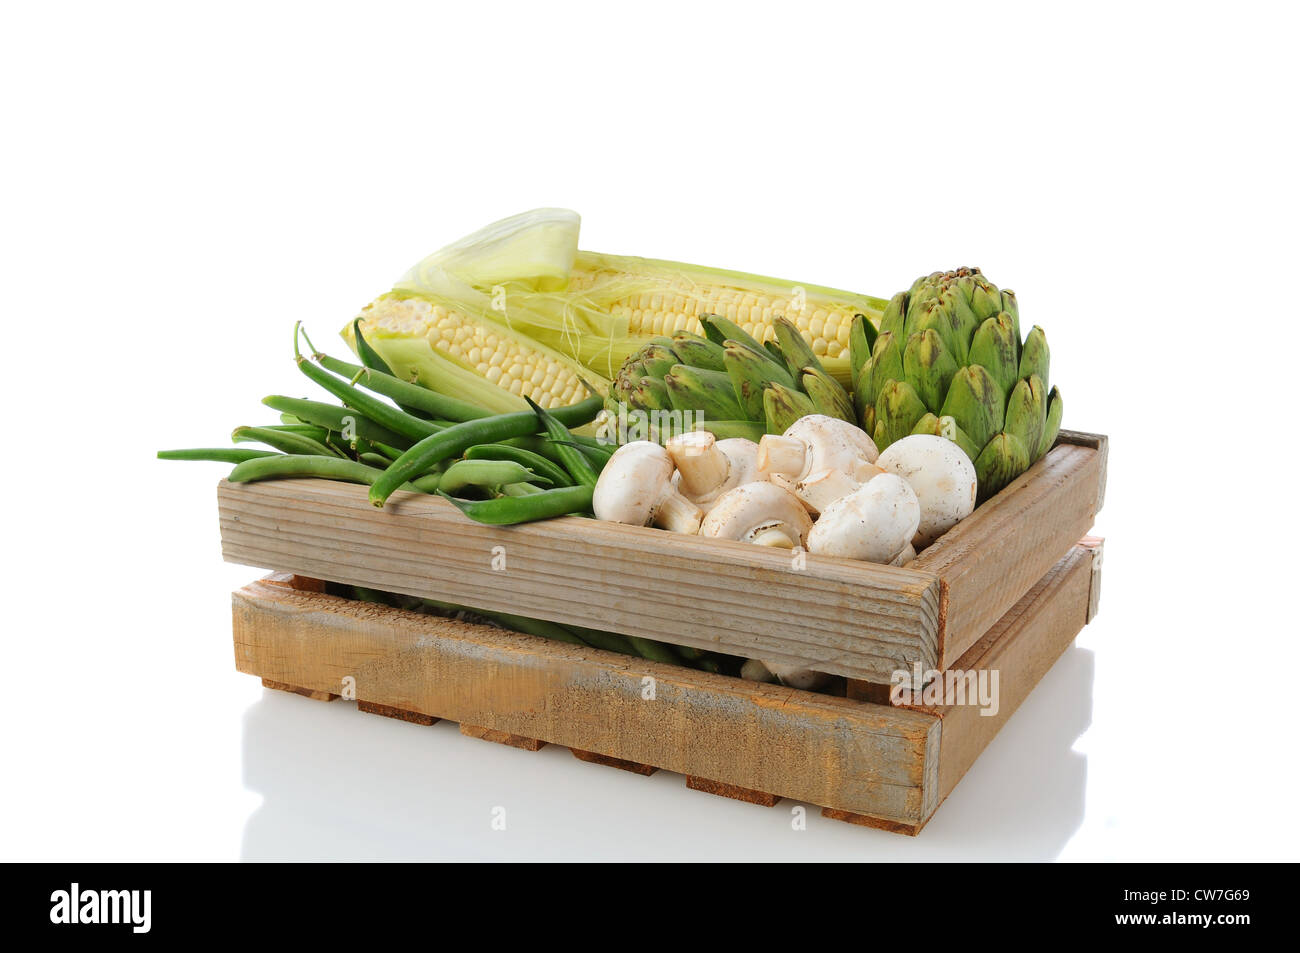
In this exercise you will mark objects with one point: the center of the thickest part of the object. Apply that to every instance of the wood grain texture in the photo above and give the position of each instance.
(400, 714)
(736, 793)
(635, 767)
(502, 737)
(870, 759)
(838, 616)
(312, 693)
(990, 560)
(1020, 647)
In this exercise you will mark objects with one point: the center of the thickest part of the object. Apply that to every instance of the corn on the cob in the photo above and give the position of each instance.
(658, 298)
(452, 345)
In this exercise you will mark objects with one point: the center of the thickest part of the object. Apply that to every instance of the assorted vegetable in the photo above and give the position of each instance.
(779, 414)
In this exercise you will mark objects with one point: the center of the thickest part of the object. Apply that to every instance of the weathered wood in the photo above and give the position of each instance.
(988, 561)
(866, 763)
(400, 714)
(635, 767)
(736, 793)
(312, 693)
(813, 748)
(1020, 647)
(502, 737)
(840, 616)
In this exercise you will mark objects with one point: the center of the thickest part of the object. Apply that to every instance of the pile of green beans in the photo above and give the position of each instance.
(391, 434)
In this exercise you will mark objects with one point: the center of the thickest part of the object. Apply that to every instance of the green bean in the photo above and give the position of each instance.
(539, 627)
(307, 430)
(337, 419)
(575, 463)
(302, 465)
(485, 473)
(427, 483)
(449, 443)
(534, 461)
(216, 454)
(376, 460)
(392, 453)
(369, 357)
(508, 510)
(404, 392)
(596, 455)
(285, 441)
(609, 641)
(520, 489)
(359, 400)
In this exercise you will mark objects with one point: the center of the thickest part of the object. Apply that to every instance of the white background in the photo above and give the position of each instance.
(180, 183)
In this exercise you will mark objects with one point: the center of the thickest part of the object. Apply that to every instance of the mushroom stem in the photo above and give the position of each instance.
(820, 490)
(774, 537)
(703, 467)
(678, 514)
(782, 456)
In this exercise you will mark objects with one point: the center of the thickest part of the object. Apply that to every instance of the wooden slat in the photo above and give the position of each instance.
(1020, 647)
(839, 616)
(990, 560)
(869, 759)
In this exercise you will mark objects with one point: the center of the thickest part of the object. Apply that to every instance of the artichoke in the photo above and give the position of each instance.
(736, 384)
(949, 360)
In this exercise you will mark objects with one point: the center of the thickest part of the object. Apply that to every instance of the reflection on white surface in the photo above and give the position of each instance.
(341, 785)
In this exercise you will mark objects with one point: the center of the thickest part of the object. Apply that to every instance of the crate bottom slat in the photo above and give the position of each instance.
(859, 758)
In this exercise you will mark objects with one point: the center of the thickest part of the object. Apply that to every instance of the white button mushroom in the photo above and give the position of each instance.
(760, 513)
(803, 678)
(812, 444)
(636, 487)
(905, 557)
(708, 467)
(819, 490)
(942, 477)
(873, 523)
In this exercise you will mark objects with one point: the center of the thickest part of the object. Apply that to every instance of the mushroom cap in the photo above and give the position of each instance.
(942, 477)
(873, 523)
(829, 444)
(794, 677)
(633, 483)
(751, 508)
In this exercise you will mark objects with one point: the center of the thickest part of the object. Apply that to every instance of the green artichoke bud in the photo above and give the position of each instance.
(898, 409)
(1003, 459)
(868, 419)
(827, 395)
(1053, 425)
(994, 347)
(948, 428)
(862, 335)
(792, 349)
(724, 429)
(1027, 413)
(929, 424)
(698, 351)
(949, 315)
(650, 394)
(750, 375)
(657, 360)
(976, 403)
(1012, 307)
(709, 392)
(894, 318)
(783, 406)
(719, 330)
(1034, 356)
(928, 367)
(886, 363)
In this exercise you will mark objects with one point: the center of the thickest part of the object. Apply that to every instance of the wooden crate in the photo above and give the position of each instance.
(860, 760)
(843, 617)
